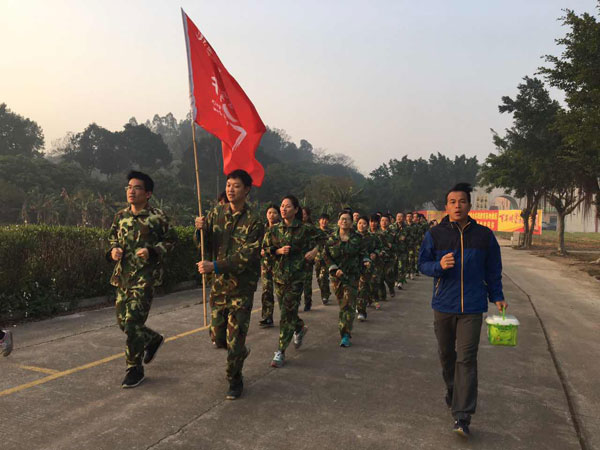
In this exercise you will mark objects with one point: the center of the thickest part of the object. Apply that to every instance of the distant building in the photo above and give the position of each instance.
(498, 199)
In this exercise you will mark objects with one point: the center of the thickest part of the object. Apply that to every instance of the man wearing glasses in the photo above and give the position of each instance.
(139, 238)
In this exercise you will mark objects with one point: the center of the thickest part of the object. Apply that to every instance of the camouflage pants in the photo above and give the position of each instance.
(378, 280)
(402, 267)
(364, 291)
(308, 284)
(323, 278)
(346, 295)
(132, 307)
(416, 259)
(389, 274)
(289, 296)
(230, 320)
(412, 262)
(267, 299)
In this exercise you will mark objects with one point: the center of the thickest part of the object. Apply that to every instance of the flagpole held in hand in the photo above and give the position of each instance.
(199, 215)
(193, 122)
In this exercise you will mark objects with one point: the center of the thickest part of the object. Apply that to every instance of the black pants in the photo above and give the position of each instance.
(458, 342)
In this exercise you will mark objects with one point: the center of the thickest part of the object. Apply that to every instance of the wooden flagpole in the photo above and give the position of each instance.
(193, 121)
(200, 215)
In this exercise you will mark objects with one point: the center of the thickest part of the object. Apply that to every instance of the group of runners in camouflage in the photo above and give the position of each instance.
(356, 259)
(361, 259)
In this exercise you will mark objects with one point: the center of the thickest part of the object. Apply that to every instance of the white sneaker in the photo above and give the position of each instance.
(299, 336)
(278, 359)
(362, 317)
(6, 344)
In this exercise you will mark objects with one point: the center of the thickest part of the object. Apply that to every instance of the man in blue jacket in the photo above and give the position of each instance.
(464, 259)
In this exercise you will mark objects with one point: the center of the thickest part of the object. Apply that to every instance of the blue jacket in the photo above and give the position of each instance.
(477, 272)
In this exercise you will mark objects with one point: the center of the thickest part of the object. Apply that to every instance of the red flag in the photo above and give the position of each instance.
(221, 107)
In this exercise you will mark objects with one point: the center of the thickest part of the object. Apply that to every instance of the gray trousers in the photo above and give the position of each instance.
(458, 342)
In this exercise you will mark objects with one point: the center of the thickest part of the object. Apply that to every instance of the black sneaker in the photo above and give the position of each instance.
(448, 398)
(461, 427)
(134, 376)
(217, 345)
(235, 390)
(325, 300)
(152, 348)
(307, 307)
(265, 323)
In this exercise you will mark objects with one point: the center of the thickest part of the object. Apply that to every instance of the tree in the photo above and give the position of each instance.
(19, 135)
(576, 73)
(527, 151)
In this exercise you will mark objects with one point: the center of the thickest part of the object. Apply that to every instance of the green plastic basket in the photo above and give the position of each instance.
(502, 330)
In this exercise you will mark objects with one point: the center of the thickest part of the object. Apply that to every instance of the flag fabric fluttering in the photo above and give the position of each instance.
(221, 107)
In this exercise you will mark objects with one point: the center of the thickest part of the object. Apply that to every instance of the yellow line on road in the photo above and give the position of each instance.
(39, 369)
(53, 375)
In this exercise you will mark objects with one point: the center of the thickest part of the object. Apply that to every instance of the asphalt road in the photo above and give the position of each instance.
(60, 389)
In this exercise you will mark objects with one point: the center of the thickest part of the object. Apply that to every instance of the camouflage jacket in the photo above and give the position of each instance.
(389, 240)
(266, 261)
(232, 241)
(131, 232)
(348, 256)
(328, 233)
(402, 238)
(301, 238)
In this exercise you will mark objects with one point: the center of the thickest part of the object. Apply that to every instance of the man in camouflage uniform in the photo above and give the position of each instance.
(411, 239)
(379, 263)
(367, 289)
(401, 234)
(388, 237)
(139, 238)
(346, 257)
(233, 233)
(321, 268)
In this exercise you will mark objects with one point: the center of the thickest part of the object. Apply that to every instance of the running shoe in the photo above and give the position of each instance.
(345, 342)
(133, 377)
(299, 336)
(278, 359)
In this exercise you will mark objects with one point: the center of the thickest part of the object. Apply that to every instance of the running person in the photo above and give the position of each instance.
(321, 268)
(139, 238)
(233, 233)
(346, 256)
(367, 290)
(291, 243)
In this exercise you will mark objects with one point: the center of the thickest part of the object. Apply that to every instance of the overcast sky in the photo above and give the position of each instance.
(372, 79)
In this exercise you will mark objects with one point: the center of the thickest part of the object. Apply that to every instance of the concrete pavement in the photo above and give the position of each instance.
(385, 392)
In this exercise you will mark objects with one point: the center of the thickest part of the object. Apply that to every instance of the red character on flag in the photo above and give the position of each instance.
(220, 106)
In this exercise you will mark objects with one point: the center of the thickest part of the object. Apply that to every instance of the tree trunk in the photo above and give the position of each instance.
(560, 227)
(533, 216)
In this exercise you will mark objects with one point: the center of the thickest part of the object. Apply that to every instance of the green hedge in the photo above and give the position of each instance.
(48, 269)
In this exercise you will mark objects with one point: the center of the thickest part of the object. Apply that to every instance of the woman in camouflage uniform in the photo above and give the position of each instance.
(266, 272)
(291, 243)
(346, 256)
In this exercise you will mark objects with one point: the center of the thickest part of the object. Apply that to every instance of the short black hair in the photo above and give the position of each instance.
(148, 183)
(365, 218)
(324, 216)
(375, 218)
(345, 211)
(272, 206)
(242, 175)
(461, 187)
(387, 216)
